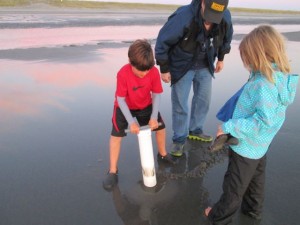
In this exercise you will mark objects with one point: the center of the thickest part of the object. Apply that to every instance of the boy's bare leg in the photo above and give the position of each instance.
(161, 141)
(114, 152)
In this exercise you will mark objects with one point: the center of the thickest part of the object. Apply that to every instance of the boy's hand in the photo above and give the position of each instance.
(134, 128)
(153, 124)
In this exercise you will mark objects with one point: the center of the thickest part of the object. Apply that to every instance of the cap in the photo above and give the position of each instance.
(214, 10)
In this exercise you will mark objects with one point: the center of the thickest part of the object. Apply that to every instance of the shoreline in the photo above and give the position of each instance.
(41, 15)
(122, 7)
(102, 27)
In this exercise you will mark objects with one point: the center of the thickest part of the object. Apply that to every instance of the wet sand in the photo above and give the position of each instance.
(57, 79)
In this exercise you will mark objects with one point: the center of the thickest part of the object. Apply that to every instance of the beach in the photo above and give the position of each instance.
(57, 77)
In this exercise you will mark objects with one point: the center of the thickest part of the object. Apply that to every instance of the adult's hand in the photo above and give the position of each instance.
(219, 66)
(166, 77)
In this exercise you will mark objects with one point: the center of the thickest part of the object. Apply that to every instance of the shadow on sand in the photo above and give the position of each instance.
(179, 196)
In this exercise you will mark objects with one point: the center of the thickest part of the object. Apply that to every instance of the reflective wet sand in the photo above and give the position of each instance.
(56, 99)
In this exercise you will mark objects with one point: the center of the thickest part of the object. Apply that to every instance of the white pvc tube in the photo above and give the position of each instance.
(147, 158)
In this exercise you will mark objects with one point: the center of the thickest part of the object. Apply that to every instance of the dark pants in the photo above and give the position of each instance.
(243, 186)
(142, 115)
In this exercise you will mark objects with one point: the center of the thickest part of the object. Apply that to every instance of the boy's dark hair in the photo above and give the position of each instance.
(140, 55)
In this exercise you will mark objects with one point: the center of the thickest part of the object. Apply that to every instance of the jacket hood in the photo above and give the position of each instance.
(196, 4)
(286, 85)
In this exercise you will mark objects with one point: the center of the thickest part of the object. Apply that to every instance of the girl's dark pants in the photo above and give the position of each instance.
(243, 186)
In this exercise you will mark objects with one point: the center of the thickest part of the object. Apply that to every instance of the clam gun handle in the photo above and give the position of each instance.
(142, 128)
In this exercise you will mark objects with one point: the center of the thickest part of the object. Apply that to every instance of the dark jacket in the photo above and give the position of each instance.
(179, 40)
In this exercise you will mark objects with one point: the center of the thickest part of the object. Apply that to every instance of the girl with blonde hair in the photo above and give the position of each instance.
(257, 117)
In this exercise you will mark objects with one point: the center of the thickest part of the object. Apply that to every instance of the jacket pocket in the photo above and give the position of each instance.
(189, 41)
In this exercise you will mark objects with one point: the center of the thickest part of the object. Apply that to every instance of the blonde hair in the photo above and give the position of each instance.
(263, 46)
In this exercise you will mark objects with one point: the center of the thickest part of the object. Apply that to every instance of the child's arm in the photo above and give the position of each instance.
(133, 126)
(155, 105)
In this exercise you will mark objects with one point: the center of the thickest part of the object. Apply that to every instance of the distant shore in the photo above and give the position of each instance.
(109, 27)
(21, 5)
(83, 14)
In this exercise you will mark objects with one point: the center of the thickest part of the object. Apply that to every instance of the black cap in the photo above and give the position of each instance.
(214, 10)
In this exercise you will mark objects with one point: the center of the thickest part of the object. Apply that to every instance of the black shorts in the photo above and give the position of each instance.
(143, 116)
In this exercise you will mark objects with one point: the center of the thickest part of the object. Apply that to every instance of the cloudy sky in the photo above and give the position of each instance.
(263, 4)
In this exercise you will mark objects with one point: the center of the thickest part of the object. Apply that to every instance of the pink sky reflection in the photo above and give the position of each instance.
(43, 37)
(27, 88)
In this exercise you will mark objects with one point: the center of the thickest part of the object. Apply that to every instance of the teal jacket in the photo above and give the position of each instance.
(260, 113)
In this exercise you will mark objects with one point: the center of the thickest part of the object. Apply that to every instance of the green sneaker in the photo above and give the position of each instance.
(177, 149)
(200, 137)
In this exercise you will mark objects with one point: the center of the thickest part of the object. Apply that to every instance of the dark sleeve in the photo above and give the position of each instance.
(228, 32)
(168, 36)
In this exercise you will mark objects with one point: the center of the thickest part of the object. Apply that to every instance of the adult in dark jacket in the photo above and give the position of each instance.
(186, 49)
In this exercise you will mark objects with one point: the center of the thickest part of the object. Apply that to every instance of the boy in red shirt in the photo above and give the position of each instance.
(137, 95)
